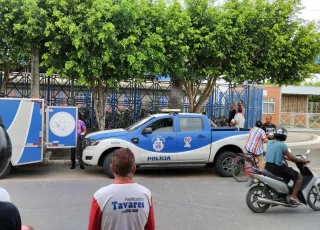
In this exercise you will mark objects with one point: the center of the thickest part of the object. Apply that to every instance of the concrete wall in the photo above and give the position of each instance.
(273, 92)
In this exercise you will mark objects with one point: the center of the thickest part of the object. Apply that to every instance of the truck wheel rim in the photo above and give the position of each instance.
(226, 164)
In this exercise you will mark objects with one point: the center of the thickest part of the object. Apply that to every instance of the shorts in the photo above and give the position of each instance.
(283, 171)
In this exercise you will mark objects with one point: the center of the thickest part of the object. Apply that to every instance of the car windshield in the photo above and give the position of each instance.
(138, 124)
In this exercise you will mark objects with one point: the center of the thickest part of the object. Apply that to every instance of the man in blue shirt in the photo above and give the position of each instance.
(276, 150)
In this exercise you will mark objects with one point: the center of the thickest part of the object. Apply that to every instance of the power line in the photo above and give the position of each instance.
(312, 10)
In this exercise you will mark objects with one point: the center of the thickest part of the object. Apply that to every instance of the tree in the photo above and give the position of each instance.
(176, 25)
(12, 50)
(244, 40)
(29, 27)
(101, 42)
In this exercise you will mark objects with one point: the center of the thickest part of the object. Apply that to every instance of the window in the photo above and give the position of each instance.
(164, 125)
(268, 105)
(191, 124)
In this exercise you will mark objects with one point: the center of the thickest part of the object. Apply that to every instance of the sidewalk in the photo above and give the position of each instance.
(294, 139)
(301, 138)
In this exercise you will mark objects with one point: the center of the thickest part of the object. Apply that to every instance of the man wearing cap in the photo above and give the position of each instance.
(257, 137)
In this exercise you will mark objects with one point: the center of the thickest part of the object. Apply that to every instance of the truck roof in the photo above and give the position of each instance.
(184, 114)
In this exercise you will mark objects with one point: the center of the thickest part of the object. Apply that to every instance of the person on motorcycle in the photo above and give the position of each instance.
(276, 151)
(257, 137)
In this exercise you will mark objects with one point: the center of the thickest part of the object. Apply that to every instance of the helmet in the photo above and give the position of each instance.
(258, 124)
(280, 133)
(5, 150)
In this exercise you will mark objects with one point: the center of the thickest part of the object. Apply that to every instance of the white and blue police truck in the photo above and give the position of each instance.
(169, 139)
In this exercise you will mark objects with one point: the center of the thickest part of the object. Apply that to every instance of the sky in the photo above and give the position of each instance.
(312, 9)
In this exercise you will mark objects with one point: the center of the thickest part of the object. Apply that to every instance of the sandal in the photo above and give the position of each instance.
(294, 201)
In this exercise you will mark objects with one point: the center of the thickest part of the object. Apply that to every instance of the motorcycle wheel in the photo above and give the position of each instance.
(314, 203)
(253, 194)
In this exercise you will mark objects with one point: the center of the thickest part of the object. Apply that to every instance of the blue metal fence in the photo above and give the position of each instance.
(130, 101)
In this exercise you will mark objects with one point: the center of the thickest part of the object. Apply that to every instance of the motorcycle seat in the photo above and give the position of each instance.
(269, 174)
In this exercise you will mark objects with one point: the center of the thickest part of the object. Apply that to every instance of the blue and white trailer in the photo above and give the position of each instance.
(24, 120)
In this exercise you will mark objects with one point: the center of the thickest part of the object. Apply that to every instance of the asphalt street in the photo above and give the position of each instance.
(53, 197)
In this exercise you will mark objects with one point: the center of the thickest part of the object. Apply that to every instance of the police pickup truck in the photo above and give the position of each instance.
(169, 139)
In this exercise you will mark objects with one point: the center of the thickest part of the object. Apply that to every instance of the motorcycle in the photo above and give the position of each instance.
(269, 190)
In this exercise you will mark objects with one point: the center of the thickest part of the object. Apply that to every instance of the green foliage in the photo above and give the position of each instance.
(106, 41)
(102, 39)
(12, 50)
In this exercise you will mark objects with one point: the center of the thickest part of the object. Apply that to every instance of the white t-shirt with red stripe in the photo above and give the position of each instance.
(122, 206)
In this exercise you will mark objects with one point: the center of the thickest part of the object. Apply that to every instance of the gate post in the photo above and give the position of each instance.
(307, 120)
(72, 92)
(48, 91)
(134, 102)
(0, 79)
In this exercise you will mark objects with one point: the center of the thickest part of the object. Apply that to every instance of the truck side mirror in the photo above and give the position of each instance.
(147, 130)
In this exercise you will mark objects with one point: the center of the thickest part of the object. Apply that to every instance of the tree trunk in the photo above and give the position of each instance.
(100, 103)
(5, 80)
(192, 92)
(205, 94)
(176, 94)
(35, 76)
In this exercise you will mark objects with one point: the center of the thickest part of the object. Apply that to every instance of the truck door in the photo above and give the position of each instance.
(161, 144)
(23, 120)
(194, 140)
(61, 127)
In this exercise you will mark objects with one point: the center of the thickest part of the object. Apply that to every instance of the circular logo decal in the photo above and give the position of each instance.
(62, 124)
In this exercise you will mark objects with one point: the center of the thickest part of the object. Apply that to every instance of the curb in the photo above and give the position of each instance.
(56, 162)
(312, 142)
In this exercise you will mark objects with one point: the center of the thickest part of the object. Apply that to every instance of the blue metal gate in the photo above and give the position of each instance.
(131, 101)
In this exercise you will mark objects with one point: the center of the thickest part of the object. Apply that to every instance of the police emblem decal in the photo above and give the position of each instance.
(187, 141)
(158, 144)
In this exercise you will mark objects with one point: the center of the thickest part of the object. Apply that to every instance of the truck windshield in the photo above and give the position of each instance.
(138, 124)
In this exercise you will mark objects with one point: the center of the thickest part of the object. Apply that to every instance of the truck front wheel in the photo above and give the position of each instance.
(224, 162)
(106, 165)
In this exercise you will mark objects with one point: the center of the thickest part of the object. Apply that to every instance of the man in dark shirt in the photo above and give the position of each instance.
(232, 113)
(268, 127)
(9, 217)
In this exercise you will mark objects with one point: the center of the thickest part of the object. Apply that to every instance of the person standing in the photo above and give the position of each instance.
(268, 127)
(257, 137)
(240, 104)
(81, 131)
(212, 124)
(239, 119)
(10, 218)
(123, 204)
(4, 195)
(232, 113)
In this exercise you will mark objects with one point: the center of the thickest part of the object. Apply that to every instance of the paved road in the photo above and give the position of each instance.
(56, 198)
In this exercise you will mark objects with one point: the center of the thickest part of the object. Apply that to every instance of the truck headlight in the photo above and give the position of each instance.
(89, 142)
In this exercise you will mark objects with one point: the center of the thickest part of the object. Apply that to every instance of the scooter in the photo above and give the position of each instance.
(269, 190)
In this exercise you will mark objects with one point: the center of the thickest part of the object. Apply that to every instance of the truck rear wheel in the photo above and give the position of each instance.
(106, 165)
(224, 162)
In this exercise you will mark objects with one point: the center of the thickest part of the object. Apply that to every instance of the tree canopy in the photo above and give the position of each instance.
(102, 42)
